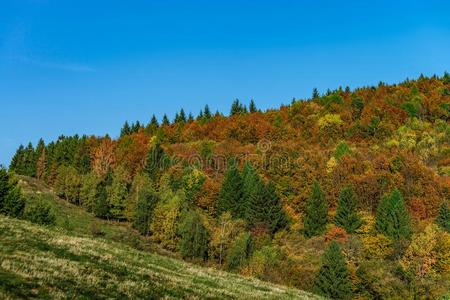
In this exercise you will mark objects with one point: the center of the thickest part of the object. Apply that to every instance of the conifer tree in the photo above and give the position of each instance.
(12, 202)
(230, 194)
(193, 236)
(190, 118)
(206, 112)
(315, 93)
(145, 205)
(252, 106)
(252, 195)
(154, 121)
(316, 213)
(182, 116)
(392, 217)
(101, 205)
(126, 129)
(165, 121)
(346, 216)
(274, 215)
(333, 280)
(443, 219)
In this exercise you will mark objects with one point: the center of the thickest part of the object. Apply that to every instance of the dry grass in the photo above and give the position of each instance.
(47, 263)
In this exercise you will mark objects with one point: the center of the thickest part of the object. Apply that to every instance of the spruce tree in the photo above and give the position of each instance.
(392, 217)
(126, 129)
(252, 106)
(190, 118)
(165, 121)
(253, 196)
(443, 219)
(12, 202)
(316, 213)
(346, 216)
(194, 236)
(230, 194)
(315, 93)
(274, 215)
(145, 205)
(333, 279)
(207, 112)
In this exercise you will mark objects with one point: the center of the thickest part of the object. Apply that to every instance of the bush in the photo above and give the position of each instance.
(40, 212)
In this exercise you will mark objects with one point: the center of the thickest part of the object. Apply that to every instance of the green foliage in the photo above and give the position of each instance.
(146, 202)
(12, 202)
(193, 236)
(443, 219)
(237, 108)
(341, 149)
(193, 181)
(101, 204)
(88, 191)
(316, 213)
(40, 212)
(156, 162)
(392, 218)
(68, 184)
(346, 215)
(333, 279)
(252, 107)
(230, 195)
(357, 106)
(240, 251)
(117, 194)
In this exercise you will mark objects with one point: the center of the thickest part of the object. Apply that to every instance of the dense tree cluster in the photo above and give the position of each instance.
(367, 168)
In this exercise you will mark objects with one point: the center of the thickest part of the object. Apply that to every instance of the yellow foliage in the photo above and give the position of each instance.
(331, 164)
(330, 120)
(377, 246)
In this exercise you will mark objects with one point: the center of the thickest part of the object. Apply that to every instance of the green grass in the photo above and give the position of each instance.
(49, 263)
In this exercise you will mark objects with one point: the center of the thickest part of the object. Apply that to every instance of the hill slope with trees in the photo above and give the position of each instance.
(359, 176)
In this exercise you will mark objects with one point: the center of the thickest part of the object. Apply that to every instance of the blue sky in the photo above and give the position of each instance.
(71, 67)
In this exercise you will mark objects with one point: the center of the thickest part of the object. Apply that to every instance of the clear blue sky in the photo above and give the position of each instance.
(71, 67)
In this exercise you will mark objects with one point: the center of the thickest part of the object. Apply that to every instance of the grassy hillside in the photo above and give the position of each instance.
(47, 263)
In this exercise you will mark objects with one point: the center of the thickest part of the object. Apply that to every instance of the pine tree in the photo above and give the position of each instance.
(392, 218)
(230, 194)
(165, 121)
(443, 219)
(237, 108)
(316, 213)
(182, 117)
(126, 129)
(315, 93)
(145, 205)
(252, 196)
(193, 236)
(333, 279)
(190, 118)
(252, 106)
(101, 205)
(346, 216)
(206, 112)
(154, 122)
(12, 202)
(274, 215)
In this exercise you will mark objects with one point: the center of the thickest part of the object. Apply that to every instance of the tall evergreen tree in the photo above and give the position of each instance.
(145, 205)
(252, 195)
(154, 121)
(230, 194)
(443, 219)
(315, 93)
(126, 129)
(274, 213)
(193, 236)
(165, 121)
(252, 106)
(182, 117)
(207, 112)
(333, 280)
(392, 217)
(101, 205)
(190, 118)
(346, 215)
(12, 202)
(316, 213)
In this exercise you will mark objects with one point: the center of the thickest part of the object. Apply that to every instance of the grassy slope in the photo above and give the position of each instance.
(49, 263)
(66, 261)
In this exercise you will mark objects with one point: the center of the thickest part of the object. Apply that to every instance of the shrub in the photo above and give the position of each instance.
(40, 212)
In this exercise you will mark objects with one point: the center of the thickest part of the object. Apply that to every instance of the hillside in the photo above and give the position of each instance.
(38, 262)
(354, 180)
